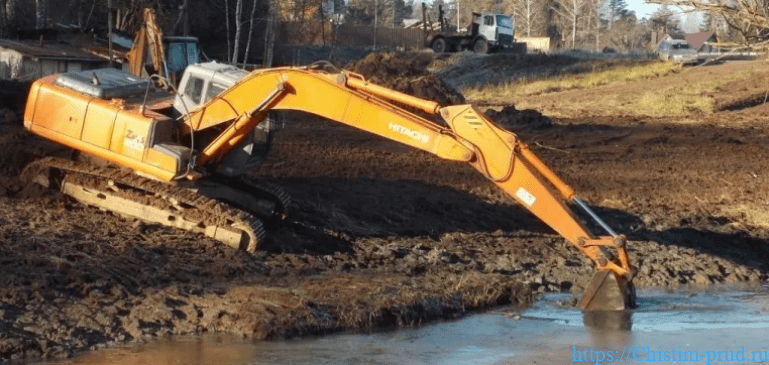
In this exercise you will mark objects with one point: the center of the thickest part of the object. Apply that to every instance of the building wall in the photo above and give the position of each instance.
(541, 44)
(15, 66)
(10, 64)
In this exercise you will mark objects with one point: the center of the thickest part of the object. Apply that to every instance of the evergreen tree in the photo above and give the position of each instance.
(664, 20)
(616, 10)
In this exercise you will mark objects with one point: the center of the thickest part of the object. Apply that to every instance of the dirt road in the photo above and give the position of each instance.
(384, 235)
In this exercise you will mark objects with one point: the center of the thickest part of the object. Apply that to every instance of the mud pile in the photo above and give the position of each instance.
(73, 278)
(514, 119)
(407, 73)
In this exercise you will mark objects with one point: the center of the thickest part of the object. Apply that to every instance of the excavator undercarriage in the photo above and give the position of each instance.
(180, 160)
(232, 211)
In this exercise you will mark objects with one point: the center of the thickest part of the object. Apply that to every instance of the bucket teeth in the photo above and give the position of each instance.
(607, 292)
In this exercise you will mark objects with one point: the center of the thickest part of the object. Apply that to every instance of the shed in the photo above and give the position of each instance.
(536, 44)
(26, 60)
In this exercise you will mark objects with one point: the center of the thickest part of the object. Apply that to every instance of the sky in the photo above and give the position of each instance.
(641, 9)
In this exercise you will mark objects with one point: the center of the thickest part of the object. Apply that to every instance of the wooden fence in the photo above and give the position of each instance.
(326, 33)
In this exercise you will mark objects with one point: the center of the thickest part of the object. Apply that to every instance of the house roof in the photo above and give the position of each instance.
(660, 36)
(51, 50)
(698, 39)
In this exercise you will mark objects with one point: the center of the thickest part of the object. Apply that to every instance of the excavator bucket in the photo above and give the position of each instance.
(607, 292)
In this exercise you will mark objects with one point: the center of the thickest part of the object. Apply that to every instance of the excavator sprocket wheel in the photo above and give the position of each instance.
(255, 232)
(607, 292)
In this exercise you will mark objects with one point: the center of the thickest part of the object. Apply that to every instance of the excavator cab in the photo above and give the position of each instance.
(205, 81)
(202, 82)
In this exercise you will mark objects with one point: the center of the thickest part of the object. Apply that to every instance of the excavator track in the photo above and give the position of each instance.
(123, 192)
(266, 190)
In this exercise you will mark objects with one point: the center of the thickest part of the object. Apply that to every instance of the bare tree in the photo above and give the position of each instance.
(269, 34)
(238, 27)
(664, 20)
(750, 18)
(386, 12)
(227, 28)
(593, 20)
(571, 11)
(250, 32)
(529, 14)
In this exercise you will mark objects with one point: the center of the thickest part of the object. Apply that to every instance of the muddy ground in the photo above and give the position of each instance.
(382, 235)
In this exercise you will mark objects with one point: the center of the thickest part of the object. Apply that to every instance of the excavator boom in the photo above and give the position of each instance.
(221, 124)
(470, 137)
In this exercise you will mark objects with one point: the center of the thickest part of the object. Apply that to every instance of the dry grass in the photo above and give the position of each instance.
(681, 96)
(751, 215)
(689, 96)
(615, 75)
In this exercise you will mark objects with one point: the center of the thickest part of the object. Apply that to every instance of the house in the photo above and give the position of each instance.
(701, 41)
(31, 59)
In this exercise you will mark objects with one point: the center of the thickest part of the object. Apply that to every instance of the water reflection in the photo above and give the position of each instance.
(609, 329)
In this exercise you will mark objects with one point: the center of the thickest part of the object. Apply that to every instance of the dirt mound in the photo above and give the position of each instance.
(741, 94)
(407, 73)
(514, 119)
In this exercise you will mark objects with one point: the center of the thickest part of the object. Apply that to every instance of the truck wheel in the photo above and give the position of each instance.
(481, 46)
(439, 45)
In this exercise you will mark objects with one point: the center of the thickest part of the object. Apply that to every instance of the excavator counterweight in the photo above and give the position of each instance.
(186, 155)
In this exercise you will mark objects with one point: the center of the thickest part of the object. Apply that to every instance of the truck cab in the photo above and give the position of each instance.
(488, 32)
(495, 30)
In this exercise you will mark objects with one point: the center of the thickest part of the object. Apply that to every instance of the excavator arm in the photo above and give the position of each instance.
(468, 136)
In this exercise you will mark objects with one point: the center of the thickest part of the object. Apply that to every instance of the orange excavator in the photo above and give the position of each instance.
(180, 159)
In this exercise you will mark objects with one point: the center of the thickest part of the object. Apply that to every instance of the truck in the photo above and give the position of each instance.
(182, 159)
(488, 32)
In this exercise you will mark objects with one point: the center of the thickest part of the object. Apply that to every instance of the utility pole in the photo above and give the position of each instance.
(457, 15)
(186, 14)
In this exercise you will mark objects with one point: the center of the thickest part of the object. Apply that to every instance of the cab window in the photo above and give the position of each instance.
(488, 20)
(194, 89)
(213, 90)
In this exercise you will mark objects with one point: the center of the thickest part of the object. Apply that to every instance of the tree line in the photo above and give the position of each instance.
(238, 29)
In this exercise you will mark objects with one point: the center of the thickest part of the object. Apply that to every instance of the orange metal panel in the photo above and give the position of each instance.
(130, 134)
(117, 158)
(99, 121)
(29, 109)
(161, 161)
(60, 110)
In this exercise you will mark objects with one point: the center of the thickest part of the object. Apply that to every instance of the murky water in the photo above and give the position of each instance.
(687, 326)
